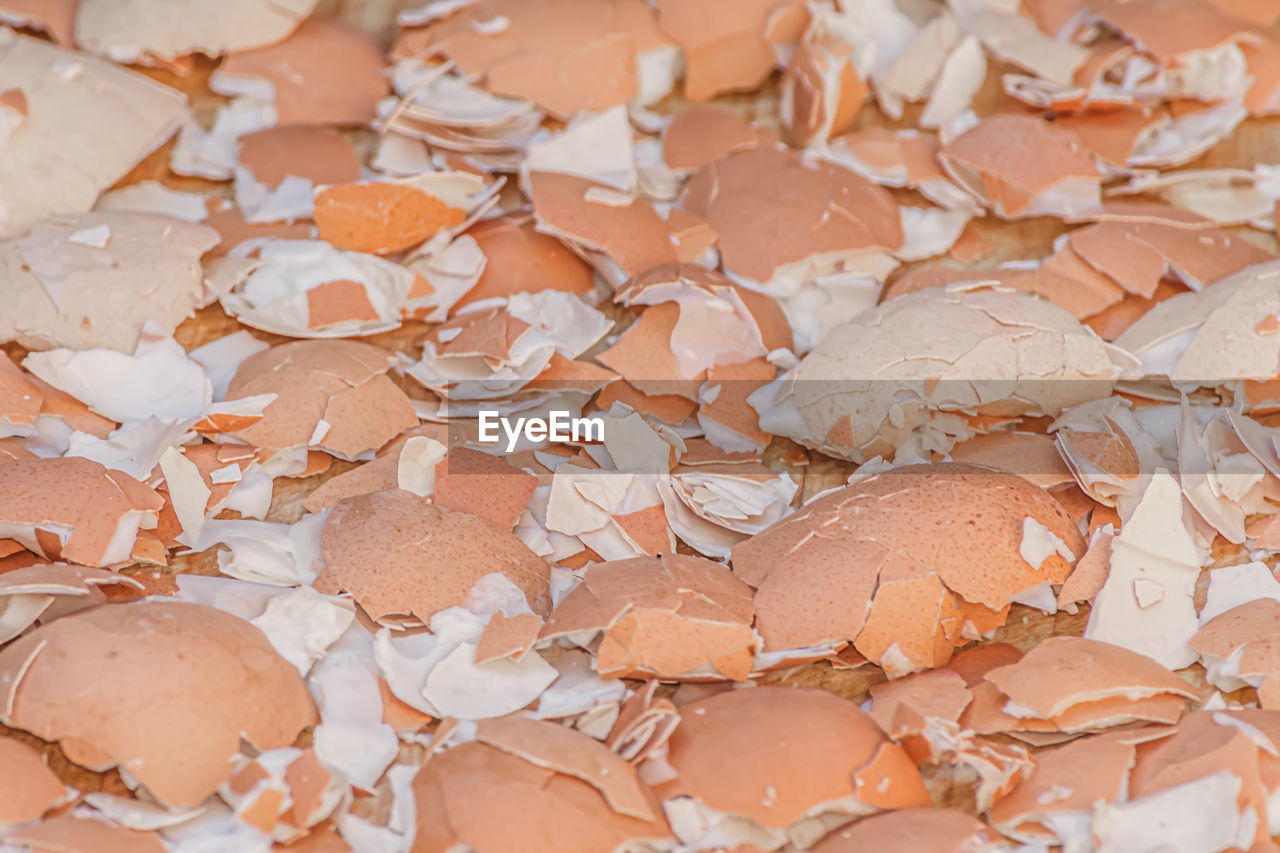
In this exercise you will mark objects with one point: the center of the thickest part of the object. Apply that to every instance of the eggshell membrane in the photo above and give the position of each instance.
(381, 218)
(57, 161)
(342, 382)
(164, 689)
(634, 236)
(28, 787)
(1064, 671)
(571, 753)
(76, 494)
(913, 830)
(566, 55)
(701, 134)
(815, 207)
(319, 154)
(397, 553)
(459, 791)
(1010, 159)
(816, 571)
(518, 259)
(60, 293)
(70, 833)
(772, 754)
(729, 46)
(669, 616)
(326, 72)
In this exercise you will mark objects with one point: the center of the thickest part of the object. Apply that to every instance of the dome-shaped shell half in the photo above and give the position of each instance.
(875, 383)
(164, 690)
(907, 564)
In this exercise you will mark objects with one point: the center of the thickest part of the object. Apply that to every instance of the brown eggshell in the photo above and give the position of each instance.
(816, 571)
(381, 218)
(918, 830)
(319, 154)
(397, 553)
(326, 72)
(773, 754)
(814, 207)
(1064, 671)
(671, 616)
(518, 259)
(164, 689)
(698, 135)
(341, 382)
(28, 788)
(75, 834)
(460, 791)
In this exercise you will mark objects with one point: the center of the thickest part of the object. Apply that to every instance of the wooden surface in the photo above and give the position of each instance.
(1256, 141)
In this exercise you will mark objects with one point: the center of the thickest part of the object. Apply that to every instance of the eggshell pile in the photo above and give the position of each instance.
(639, 426)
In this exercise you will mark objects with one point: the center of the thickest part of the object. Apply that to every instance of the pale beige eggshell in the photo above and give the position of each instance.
(164, 689)
(398, 554)
(130, 30)
(63, 293)
(57, 160)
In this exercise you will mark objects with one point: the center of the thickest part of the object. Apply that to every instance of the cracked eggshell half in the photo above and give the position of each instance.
(163, 690)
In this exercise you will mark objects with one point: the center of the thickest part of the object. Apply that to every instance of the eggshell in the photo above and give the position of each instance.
(133, 30)
(71, 833)
(944, 530)
(396, 553)
(518, 259)
(918, 830)
(701, 134)
(163, 689)
(63, 293)
(776, 754)
(342, 383)
(29, 788)
(459, 791)
(57, 161)
(670, 616)
(325, 72)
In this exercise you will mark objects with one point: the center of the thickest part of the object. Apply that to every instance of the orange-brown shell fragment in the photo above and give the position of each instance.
(920, 830)
(565, 55)
(340, 383)
(163, 689)
(671, 616)
(398, 554)
(699, 135)
(381, 218)
(75, 509)
(518, 259)
(319, 154)
(1062, 672)
(730, 45)
(74, 833)
(775, 755)
(813, 207)
(461, 791)
(28, 788)
(941, 542)
(326, 72)
(1014, 162)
